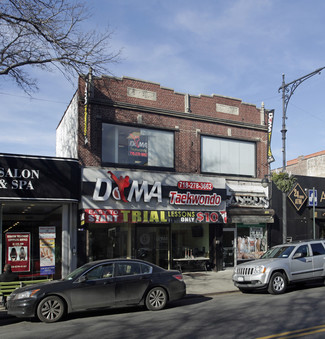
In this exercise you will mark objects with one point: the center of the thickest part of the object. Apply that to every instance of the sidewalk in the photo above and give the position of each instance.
(197, 283)
(204, 283)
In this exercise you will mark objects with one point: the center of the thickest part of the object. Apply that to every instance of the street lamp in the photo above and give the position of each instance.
(287, 91)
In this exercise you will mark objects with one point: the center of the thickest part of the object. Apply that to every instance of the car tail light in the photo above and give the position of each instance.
(178, 277)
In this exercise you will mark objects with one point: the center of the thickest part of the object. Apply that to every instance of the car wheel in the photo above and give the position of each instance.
(278, 283)
(156, 299)
(51, 309)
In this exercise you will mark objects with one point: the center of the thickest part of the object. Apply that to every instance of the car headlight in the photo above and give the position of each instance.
(23, 295)
(259, 269)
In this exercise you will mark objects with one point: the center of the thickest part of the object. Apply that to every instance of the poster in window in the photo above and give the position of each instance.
(47, 250)
(138, 148)
(18, 251)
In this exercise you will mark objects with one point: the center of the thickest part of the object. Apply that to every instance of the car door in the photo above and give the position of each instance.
(302, 263)
(132, 280)
(95, 289)
(318, 259)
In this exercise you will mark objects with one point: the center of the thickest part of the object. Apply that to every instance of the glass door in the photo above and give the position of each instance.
(153, 244)
(229, 247)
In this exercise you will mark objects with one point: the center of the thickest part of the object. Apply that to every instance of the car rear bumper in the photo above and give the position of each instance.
(177, 292)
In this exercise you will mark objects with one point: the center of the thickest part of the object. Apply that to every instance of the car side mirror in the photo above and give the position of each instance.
(82, 279)
(297, 255)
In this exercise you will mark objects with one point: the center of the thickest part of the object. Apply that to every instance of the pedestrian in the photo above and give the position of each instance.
(7, 276)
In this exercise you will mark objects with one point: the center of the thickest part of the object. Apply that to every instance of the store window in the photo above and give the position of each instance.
(125, 145)
(108, 241)
(227, 156)
(190, 240)
(251, 241)
(32, 239)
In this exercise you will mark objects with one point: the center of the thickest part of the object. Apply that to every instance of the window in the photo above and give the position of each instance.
(304, 250)
(100, 272)
(127, 145)
(146, 269)
(228, 156)
(128, 269)
(318, 249)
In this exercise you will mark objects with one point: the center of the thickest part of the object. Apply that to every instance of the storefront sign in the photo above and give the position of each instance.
(47, 250)
(188, 198)
(297, 196)
(116, 188)
(194, 185)
(27, 177)
(249, 201)
(152, 216)
(18, 251)
(270, 118)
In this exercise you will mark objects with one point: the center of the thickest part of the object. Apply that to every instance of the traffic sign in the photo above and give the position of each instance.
(312, 197)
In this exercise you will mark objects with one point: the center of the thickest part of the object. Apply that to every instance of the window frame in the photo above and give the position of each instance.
(135, 166)
(243, 141)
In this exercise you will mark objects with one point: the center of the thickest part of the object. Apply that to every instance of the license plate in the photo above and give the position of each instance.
(241, 279)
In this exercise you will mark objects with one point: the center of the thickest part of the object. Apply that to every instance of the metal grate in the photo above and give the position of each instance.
(245, 270)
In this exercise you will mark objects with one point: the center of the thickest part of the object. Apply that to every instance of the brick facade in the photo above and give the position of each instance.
(147, 104)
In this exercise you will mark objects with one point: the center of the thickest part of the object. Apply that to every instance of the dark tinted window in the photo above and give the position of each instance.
(304, 250)
(318, 249)
(128, 268)
(145, 269)
(100, 272)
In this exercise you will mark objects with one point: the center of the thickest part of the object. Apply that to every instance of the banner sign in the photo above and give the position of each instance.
(18, 251)
(270, 118)
(47, 250)
(112, 189)
(152, 216)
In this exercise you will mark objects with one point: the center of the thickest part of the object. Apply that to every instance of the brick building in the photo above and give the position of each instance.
(168, 177)
(312, 165)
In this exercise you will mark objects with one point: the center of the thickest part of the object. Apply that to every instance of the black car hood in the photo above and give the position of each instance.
(55, 285)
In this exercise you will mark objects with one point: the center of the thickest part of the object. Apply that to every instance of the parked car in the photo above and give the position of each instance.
(97, 285)
(281, 265)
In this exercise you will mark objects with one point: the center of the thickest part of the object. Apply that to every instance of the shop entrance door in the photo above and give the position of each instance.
(229, 247)
(153, 244)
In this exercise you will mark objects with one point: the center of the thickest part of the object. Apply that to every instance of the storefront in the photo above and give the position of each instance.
(38, 214)
(158, 217)
(248, 219)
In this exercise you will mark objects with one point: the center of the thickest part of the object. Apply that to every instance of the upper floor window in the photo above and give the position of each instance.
(228, 156)
(125, 145)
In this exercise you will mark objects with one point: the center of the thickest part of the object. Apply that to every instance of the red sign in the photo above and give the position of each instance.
(105, 216)
(195, 185)
(18, 251)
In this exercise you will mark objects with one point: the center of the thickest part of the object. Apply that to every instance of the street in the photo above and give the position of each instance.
(232, 315)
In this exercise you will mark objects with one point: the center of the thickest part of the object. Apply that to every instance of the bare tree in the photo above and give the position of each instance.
(47, 34)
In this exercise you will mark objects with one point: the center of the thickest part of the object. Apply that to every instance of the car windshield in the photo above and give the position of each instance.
(278, 252)
(77, 272)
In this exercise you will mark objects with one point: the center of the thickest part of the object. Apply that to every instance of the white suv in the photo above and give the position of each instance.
(282, 265)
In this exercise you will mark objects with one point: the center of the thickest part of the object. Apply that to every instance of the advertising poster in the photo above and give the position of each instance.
(47, 250)
(18, 251)
(138, 148)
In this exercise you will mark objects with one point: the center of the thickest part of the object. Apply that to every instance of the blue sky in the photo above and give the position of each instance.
(236, 48)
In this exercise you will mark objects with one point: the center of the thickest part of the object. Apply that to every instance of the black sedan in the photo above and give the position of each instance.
(98, 285)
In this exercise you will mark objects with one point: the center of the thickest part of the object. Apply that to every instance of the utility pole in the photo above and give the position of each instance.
(287, 91)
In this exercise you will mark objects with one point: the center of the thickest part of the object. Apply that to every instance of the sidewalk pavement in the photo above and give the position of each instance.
(209, 283)
(197, 283)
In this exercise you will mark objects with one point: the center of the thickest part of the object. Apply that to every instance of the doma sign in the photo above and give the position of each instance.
(114, 189)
